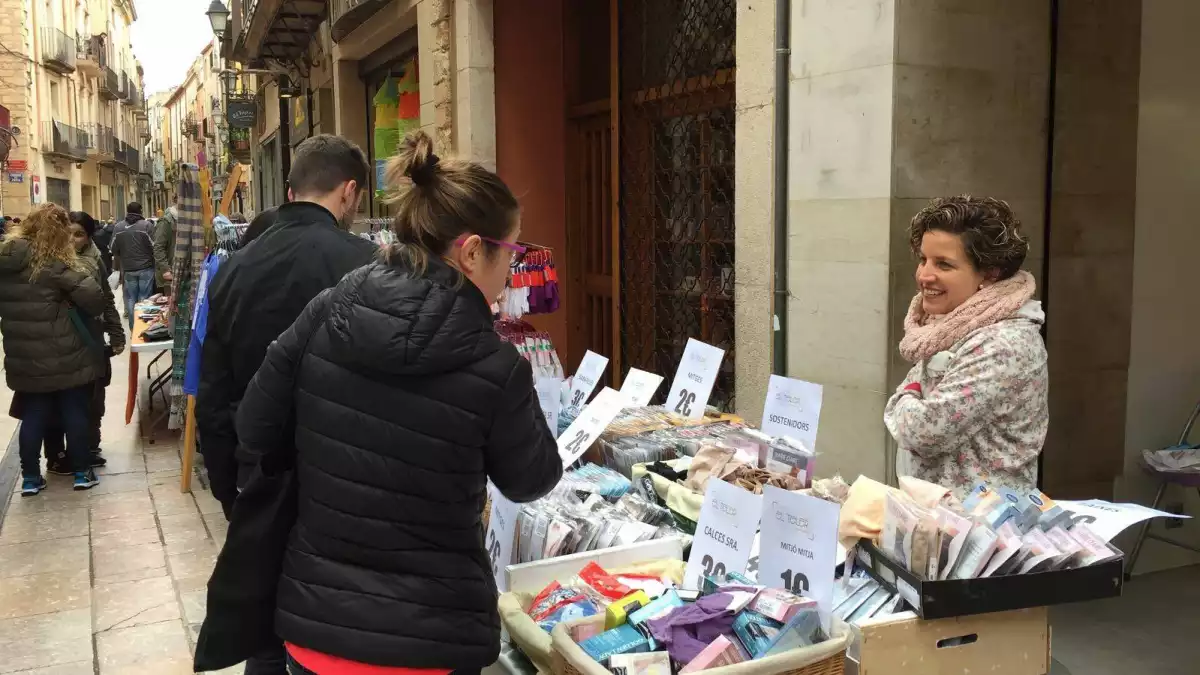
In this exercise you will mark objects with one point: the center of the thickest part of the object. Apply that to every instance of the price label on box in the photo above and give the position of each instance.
(695, 378)
(589, 425)
(502, 532)
(724, 534)
(793, 409)
(591, 369)
(799, 545)
(639, 387)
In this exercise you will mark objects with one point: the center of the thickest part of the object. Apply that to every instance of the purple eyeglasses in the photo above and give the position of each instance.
(518, 250)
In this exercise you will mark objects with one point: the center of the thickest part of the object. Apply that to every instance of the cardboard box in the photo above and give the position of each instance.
(1012, 643)
(963, 597)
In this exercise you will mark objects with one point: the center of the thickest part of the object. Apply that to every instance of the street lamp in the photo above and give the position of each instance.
(218, 17)
(229, 79)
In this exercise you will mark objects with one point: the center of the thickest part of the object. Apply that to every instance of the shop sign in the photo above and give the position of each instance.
(591, 369)
(19, 165)
(724, 533)
(589, 425)
(241, 113)
(793, 409)
(502, 532)
(798, 552)
(35, 190)
(695, 378)
(549, 393)
(16, 177)
(299, 110)
(639, 387)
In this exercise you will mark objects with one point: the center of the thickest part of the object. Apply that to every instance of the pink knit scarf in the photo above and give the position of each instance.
(924, 338)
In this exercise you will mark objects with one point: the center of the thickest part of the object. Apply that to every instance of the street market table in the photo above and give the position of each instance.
(137, 346)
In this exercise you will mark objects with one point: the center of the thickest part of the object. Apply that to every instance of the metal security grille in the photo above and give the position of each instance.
(676, 126)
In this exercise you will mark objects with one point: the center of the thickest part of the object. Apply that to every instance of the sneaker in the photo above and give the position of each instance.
(86, 480)
(32, 485)
(97, 460)
(59, 469)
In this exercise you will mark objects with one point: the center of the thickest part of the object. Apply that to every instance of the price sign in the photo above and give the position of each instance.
(1108, 520)
(793, 409)
(799, 545)
(591, 369)
(695, 378)
(549, 393)
(639, 387)
(502, 531)
(589, 425)
(724, 533)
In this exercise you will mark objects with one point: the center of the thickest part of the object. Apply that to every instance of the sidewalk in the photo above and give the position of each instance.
(111, 580)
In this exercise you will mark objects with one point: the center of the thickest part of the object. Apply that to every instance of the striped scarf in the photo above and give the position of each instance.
(189, 258)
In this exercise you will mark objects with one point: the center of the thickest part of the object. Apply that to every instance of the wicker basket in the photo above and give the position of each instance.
(827, 658)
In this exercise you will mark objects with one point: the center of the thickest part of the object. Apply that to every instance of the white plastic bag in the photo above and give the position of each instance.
(113, 279)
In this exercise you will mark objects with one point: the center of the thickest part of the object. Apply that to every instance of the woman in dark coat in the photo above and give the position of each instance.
(401, 403)
(51, 360)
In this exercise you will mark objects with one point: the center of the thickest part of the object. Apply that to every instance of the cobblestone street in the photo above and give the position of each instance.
(110, 580)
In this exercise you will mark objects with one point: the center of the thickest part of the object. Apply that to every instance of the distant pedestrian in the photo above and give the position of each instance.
(51, 360)
(133, 253)
(164, 246)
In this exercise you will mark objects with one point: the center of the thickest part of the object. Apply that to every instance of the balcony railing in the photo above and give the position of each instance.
(110, 84)
(91, 54)
(102, 142)
(346, 15)
(58, 50)
(124, 87)
(239, 143)
(64, 140)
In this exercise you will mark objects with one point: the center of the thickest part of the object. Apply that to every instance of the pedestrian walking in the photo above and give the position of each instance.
(396, 402)
(103, 240)
(261, 290)
(51, 359)
(133, 252)
(164, 246)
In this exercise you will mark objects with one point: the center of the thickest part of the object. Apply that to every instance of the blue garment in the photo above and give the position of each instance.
(39, 411)
(191, 376)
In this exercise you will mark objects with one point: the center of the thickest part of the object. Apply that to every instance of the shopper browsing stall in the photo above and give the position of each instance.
(974, 406)
(402, 402)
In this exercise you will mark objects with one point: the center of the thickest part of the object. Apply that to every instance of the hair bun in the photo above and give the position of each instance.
(422, 174)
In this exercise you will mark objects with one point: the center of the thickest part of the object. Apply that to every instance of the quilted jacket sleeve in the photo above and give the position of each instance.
(112, 320)
(979, 385)
(522, 456)
(265, 420)
(81, 289)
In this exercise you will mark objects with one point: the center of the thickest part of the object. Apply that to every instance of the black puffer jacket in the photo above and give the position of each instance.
(404, 402)
(43, 350)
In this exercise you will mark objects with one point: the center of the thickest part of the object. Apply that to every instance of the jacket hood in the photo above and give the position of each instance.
(14, 256)
(1032, 311)
(132, 218)
(383, 318)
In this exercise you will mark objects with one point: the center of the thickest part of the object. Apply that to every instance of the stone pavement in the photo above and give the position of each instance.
(112, 580)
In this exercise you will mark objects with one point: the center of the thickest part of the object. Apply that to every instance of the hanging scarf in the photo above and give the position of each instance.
(189, 256)
(924, 337)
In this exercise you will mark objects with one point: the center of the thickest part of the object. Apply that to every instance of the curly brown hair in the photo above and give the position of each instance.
(48, 230)
(990, 232)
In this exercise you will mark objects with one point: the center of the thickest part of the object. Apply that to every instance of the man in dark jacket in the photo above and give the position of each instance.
(164, 246)
(263, 288)
(133, 253)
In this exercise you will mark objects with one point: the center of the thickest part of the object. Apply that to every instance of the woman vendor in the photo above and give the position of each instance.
(974, 406)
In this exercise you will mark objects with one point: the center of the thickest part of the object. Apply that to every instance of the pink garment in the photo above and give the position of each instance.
(924, 338)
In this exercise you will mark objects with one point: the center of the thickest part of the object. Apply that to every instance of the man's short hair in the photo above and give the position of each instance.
(134, 207)
(325, 162)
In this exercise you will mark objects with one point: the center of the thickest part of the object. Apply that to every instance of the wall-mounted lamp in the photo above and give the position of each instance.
(218, 18)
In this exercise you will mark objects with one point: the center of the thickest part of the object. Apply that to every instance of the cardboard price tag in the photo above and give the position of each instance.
(1107, 519)
(694, 380)
(591, 369)
(502, 532)
(589, 425)
(724, 533)
(799, 545)
(549, 393)
(793, 409)
(639, 387)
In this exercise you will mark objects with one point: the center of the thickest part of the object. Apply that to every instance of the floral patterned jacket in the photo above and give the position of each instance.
(978, 411)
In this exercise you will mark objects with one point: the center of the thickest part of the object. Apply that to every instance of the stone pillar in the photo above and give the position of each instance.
(434, 39)
(474, 89)
(350, 95)
(754, 201)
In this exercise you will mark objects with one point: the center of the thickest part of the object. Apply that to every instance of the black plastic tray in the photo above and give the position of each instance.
(943, 599)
